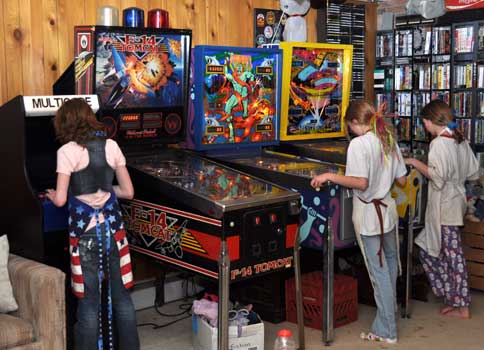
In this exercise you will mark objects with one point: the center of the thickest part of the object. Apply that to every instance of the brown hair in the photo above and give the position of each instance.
(439, 113)
(75, 121)
(363, 113)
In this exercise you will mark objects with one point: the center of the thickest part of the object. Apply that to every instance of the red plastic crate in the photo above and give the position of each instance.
(345, 300)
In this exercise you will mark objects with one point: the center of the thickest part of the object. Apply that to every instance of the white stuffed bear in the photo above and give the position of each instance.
(295, 27)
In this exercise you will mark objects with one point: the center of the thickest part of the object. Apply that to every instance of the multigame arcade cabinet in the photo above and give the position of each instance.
(36, 229)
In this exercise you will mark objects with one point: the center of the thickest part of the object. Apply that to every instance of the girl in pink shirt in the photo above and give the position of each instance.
(86, 165)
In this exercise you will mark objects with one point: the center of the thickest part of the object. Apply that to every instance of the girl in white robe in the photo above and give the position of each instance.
(373, 163)
(450, 163)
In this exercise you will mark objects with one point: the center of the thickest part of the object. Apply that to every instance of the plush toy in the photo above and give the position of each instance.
(475, 202)
(295, 27)
(426, 8)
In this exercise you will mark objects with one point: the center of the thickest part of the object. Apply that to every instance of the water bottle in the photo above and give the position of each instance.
(284, 340)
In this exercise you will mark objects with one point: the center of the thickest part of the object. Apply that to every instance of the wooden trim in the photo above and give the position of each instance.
(474, 254)
(472, 240)
(475, 269)
(474, 227)
(476, 282)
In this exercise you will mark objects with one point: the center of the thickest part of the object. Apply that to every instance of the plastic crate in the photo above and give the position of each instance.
(345, 300)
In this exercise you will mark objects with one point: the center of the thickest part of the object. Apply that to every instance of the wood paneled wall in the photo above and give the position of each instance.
(36, 36)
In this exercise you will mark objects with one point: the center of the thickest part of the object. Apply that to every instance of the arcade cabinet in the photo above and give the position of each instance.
(36, 228)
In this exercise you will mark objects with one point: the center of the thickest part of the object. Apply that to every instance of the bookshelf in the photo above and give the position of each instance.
(383, 75)
(432, 59)
(479, 120)
(346, 23)
(463, 67)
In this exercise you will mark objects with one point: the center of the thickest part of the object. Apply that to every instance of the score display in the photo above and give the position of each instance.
(130, 121)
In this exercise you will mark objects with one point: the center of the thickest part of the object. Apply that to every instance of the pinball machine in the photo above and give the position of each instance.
(312, 122)
(234, 113)
(314, 101)
(189, 212)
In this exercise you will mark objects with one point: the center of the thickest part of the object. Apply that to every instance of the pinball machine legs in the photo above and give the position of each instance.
(299, 296)
(223, 293)
(328, 287)
(408, 264)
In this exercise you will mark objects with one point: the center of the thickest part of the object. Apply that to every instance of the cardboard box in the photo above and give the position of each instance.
(205, 337)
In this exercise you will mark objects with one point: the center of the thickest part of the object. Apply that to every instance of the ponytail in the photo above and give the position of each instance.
(456, 132)
(383, 131)
(439, 113)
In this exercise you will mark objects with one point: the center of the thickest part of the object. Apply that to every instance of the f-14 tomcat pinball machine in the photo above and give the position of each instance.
(235, 111)
(188, 211)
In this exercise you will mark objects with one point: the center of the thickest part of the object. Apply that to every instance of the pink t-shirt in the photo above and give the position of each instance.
(72, 157)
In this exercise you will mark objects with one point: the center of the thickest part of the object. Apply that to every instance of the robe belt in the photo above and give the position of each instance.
(378, 203)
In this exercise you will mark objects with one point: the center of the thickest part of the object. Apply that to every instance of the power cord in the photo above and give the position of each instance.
(185, 307)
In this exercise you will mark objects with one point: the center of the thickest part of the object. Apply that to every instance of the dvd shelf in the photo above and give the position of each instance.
(403, 77)
(432, 59)
(404, 129)
(479, 121)
(479, 131)
(420, 99)
(403, 104)
(441, 76)
(441, 40)
(462, 104)
(464, 39)
(383, 74)
(422, 41)
(463, 75)
(403, 43)
(464, 82)
(422, 76)
(345, 24)
(419, 131)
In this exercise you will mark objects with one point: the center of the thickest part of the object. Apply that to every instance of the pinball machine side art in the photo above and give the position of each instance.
(410, 194)
(192, 241)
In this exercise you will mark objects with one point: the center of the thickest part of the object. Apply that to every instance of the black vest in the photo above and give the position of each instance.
(98, 175)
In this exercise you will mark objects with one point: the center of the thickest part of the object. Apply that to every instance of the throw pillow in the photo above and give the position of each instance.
(7, 301)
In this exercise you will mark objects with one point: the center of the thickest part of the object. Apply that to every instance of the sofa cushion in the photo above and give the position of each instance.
(7, 301)
(14, 331)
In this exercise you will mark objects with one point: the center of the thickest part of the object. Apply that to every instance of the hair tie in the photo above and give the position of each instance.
(452, 125)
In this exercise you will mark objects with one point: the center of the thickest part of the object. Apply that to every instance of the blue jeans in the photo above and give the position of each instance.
(384, 280)
(86, 327)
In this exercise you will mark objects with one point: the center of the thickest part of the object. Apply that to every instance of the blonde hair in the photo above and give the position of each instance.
(363, 113)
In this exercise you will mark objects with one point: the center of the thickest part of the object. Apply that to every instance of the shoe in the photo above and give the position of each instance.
(373, 337)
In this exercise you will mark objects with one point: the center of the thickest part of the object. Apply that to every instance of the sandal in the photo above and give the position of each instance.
(373, 337)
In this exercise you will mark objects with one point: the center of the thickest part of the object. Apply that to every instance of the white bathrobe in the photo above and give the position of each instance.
(450, 165)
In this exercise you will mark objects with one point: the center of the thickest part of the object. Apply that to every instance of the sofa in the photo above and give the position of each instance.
(40, 321)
